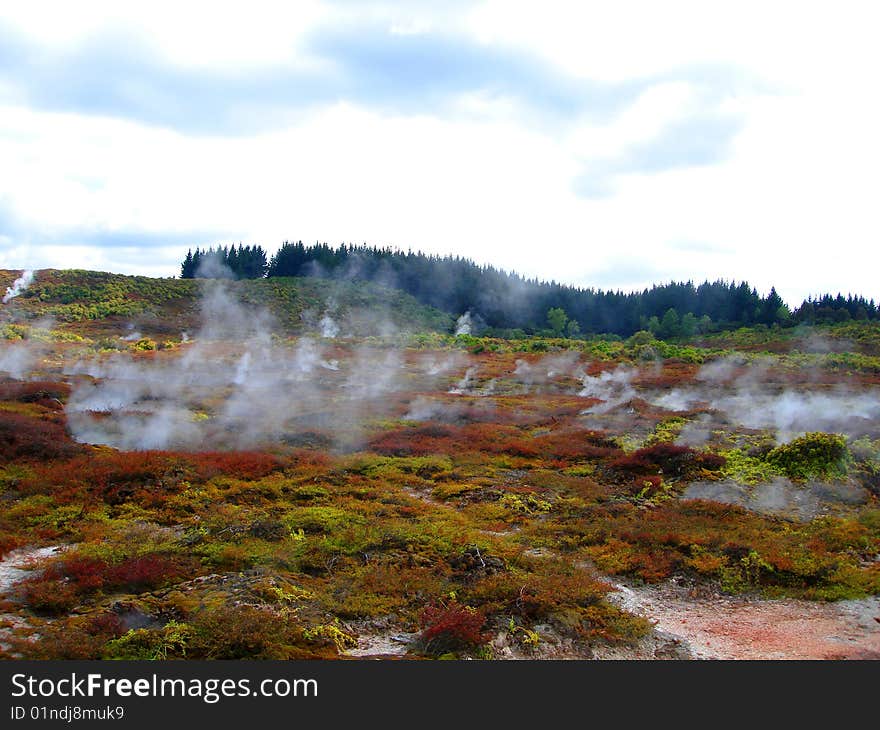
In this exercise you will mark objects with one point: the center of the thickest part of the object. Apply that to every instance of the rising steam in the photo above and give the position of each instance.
(464, 324)
(234, 386)
(18, 286)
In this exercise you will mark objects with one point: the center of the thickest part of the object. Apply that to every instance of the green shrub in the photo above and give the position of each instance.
(167, 642)
(815, 454)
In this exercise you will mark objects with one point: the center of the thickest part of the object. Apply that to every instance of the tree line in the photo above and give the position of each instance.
(508, 304)
(243, 262)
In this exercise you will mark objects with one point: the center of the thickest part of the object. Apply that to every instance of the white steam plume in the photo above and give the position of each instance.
(464, 324)
(614, 388)
(329, 328)
(18, 286)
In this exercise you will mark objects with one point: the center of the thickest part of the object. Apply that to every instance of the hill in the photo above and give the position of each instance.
(100, 303)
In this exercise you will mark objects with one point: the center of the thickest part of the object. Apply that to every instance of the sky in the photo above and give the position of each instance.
(601, 144)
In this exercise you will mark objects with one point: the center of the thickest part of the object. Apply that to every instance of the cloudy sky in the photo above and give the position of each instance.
(608, 144)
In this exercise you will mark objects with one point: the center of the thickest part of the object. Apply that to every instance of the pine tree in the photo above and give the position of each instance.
(187, 268)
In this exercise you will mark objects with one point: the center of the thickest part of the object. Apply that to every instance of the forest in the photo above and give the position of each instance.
(509, 305)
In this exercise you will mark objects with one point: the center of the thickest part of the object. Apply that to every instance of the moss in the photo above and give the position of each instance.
(168, 642)
(321, 519)
(748, 469)
(666, 431)
(341, 639)
(453, 489)
(525, 503)
(580, 470)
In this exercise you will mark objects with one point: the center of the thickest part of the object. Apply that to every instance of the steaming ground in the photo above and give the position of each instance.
(255, 392)
(247, 390)
(235, 384)
(18, 286)
(780, 497)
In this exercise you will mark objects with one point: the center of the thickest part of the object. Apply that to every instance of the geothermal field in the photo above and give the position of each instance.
(201, 477)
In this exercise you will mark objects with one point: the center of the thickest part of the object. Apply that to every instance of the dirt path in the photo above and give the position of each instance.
(714, 626)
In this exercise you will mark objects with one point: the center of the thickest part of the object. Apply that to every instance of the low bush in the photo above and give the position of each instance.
(815, 454)
(670, 460)
(449, 627)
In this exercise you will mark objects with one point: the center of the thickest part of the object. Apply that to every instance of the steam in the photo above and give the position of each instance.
(696, 433)
(438, 410)
(232, 386)
(613, 388)
(329, 328)
(781, 497)
(441, 366)
(424, 409)
(466, 384)
(745, 395)
(464, 324)
(17, 359)
(792, 413)
(545, 370)
(18, 286)
(20, 358)
(211, 266)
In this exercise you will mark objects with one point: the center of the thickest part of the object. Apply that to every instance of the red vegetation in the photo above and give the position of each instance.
(26, 437)
(44, 393)
(666, 459)
(51, 596)
(109, 475)
(450, 627)
(573, 445)
(105, 624)
(493, 439)
(8, 543)
(142, 573)
(244, 464)
(60, 586)
(118, 476)
(672, 375)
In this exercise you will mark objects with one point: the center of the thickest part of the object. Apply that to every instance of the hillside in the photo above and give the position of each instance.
(102, 304)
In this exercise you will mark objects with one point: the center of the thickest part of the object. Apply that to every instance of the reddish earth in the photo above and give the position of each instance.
(714, 626)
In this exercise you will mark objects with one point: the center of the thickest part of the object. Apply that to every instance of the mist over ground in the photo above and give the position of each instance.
(233, 382)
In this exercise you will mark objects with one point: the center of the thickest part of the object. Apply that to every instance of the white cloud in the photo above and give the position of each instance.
(791, 204)
(197, 33)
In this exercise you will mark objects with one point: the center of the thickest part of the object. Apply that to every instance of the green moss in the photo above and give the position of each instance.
(525, 503)
(389, 467)
(666, 431)
(321, 519)
(580, 470)
(341, 639)
(748, 469)
(452, 490)
(168, 642)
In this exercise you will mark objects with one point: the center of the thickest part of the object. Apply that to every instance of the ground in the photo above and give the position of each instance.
(247, 489)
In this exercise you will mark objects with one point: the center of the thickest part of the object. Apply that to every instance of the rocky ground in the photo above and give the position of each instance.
(14, 568)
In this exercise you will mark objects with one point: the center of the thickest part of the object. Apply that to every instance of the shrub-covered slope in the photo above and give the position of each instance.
(96, 301)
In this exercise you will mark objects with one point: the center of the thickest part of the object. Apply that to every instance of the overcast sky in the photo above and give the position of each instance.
(608, 144)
